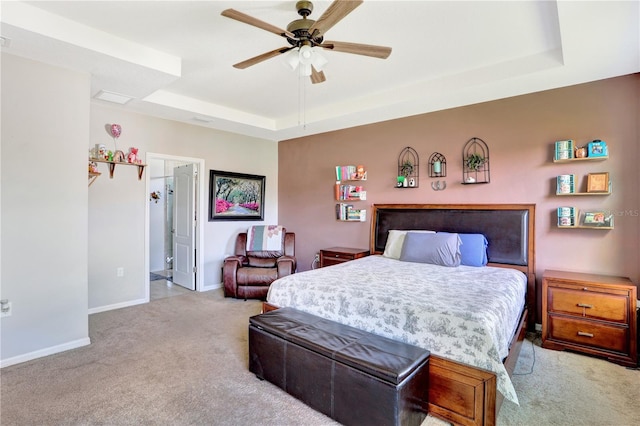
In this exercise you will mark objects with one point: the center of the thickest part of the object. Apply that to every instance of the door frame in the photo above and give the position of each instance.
(201, 217)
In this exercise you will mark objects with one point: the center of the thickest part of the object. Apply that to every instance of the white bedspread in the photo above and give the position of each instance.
(466, 314)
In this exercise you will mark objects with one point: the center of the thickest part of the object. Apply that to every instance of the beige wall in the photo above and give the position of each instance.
(520, 133)
(45, 126)
(117, 206)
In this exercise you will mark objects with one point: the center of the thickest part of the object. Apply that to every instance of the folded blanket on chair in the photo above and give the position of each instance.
(265, 237)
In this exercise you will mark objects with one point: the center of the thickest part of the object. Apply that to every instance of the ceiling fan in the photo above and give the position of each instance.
(305, 34)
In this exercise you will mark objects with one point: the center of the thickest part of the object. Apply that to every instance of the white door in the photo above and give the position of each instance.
(184, 226)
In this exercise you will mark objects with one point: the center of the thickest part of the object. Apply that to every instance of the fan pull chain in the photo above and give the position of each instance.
(302, 102)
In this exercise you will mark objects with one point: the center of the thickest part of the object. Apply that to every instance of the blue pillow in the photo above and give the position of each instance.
(473, 249)
(438, 249)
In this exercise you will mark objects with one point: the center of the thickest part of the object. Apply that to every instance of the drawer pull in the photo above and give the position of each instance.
(584, 305)
(582, 333)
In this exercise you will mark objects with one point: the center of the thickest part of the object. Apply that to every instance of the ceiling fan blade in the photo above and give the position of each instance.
(317, 76)
(334, 14)
(239, 16)
(381, 52)
(257, 59)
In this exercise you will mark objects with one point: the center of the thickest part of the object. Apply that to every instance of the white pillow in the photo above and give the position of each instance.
(395, 240)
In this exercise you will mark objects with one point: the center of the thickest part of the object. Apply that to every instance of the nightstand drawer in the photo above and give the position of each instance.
(608, 307)
(588, 333)
(336, 255)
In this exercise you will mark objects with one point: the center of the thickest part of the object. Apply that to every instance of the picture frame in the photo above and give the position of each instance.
(236, 196)
(598, 182)
(597, 148)
(596, 218)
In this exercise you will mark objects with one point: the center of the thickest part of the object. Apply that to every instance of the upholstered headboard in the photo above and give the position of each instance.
(508, 228)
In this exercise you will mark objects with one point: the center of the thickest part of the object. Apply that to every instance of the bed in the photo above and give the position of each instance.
(473, 351)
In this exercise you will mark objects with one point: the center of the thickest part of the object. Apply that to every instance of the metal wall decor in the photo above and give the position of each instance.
(408, 169)
(437, 168)
(475, 162)
(437, 165)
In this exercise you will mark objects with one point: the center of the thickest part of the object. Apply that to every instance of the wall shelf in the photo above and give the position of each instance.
(571, 160)
(602, 228)
(93, 176)
(112, 166)
(582, 193)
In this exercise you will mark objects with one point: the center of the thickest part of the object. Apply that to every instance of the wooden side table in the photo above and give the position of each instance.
(335, 255)
(593, 314)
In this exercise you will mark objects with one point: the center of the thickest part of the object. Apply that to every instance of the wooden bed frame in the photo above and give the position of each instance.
(460, 393)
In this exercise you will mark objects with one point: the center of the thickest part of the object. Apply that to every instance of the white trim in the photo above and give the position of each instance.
(212, 287)
(45, 352)
(117, 305)
(200, 222)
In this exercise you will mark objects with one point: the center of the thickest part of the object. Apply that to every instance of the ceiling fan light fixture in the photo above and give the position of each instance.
(304, 57)
(305, 69)
(292, 59)
(305, 54)
(318, 60)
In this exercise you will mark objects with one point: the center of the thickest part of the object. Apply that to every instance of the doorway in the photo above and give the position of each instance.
(174, 235)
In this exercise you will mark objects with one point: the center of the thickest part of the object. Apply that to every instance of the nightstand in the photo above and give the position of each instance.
(335, 255)
(593, 314)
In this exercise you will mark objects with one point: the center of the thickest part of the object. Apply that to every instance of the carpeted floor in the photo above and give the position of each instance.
(183, 361)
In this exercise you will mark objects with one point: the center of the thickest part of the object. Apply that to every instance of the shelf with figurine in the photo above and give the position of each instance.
(100, 155)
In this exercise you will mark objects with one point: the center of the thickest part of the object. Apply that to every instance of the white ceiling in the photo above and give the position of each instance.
(175, 57)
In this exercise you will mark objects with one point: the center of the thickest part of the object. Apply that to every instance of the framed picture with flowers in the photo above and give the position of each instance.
(235, 196)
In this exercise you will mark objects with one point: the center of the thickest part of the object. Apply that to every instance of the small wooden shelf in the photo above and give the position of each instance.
(93, 176)
(112, 166)
(603, 228)
(583, 193)
(571, 160)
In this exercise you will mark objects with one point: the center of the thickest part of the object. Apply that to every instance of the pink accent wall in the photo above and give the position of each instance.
(520, 133)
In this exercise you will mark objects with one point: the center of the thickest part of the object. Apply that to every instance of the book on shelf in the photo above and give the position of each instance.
(347, 212)
(349, 192)
(350, 173)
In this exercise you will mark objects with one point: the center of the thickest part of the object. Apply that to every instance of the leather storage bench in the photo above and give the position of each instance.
(350, 375)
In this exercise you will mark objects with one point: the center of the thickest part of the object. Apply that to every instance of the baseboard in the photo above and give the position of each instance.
(117, 306)
(45, 352)
(211, 287)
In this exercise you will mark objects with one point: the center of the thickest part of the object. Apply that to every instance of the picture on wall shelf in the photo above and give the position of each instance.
(596, 219)
(235, 196)
(598, 182)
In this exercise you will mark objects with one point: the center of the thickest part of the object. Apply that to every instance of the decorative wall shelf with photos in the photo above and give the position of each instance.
(570, 217)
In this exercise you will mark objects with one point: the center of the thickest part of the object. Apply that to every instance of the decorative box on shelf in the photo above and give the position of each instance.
(564, 150)
(597, 148)
(567, 216)
(566, 184)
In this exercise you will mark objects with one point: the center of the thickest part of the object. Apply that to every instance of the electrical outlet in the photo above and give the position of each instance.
(317, 258)
(5, 309)
(120, 272)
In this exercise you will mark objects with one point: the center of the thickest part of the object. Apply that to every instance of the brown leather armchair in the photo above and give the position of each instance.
(248, 275)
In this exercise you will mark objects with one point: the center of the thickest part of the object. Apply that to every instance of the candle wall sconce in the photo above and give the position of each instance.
(437, 165)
